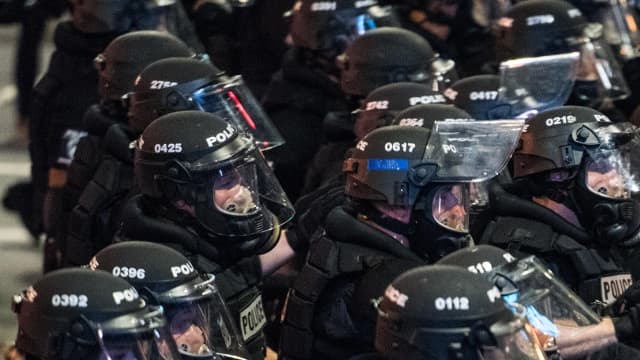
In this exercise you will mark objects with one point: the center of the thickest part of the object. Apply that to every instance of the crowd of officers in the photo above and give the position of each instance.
(336, 179)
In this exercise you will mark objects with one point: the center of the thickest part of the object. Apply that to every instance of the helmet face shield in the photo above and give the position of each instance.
(142, 336)
(450, 207)
(199, 321)
(620, 28)
(234, 102)
(513, 340)
(535, 84)
(240, 198)
(548, 302)
(599, 67)
(611, 169)
(471, 151)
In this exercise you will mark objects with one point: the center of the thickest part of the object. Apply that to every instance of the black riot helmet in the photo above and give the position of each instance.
(478, 95)
(579, 150)
(202, 166)
(425, 115)
(123, 59)
(196, 313)
(546, 30)
(480, 259)
(427, 169)
(445, 313)
(384, 103)
(84, 314)
(330, 26)
(177, 84)
(388, 55)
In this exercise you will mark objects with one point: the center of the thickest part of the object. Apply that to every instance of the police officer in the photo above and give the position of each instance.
(399, 210)
(84, 314)
(444, 312)
(570, 327)
(571, 202)
(186, 84)
(550, 27)
(377, 109)
(197, 316)
(307, 87)
(117, 67)
(208, 192)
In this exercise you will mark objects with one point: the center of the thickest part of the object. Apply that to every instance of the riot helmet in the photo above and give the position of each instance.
(444, 312)
(83, 314)
(123, 59)
(388, 55)
(477, 95)
(204, 168)
(177, 84)
(425, 115)
(428, 169)
(592, 162)
(329, 27)
(541, 28)
(384, 103)
(551, 307)
(197, 316)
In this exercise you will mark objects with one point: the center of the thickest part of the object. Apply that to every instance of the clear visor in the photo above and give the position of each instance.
(234, 190)
(239, 191)
(548, 301)
(450, 207)
(147, 338)
(612, 168)
(532, 85)
(234, 102)
(620, 28)
(204, 329)
(471, 151)
(599, 67)
(515, 340)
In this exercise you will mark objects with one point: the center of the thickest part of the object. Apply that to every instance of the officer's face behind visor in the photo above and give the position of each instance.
(611, 167)
(234, 102)
(136, 337)
(450, 207)
(200, 323)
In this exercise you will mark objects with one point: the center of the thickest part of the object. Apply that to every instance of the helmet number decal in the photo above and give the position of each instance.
(483, 95)
(560, 120)
(128, 272)
(399, 146)
(159, 84)
(415, 122)
(452, 303)
(481, 267)
(69, 300)
(168, 148)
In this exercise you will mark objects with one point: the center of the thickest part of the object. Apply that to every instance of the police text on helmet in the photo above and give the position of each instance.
(222, 136)
(128, 295)
(184, 269)
(426, 99)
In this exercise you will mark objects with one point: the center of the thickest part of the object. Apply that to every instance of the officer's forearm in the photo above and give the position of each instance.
(278, 256)
(576, 342)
